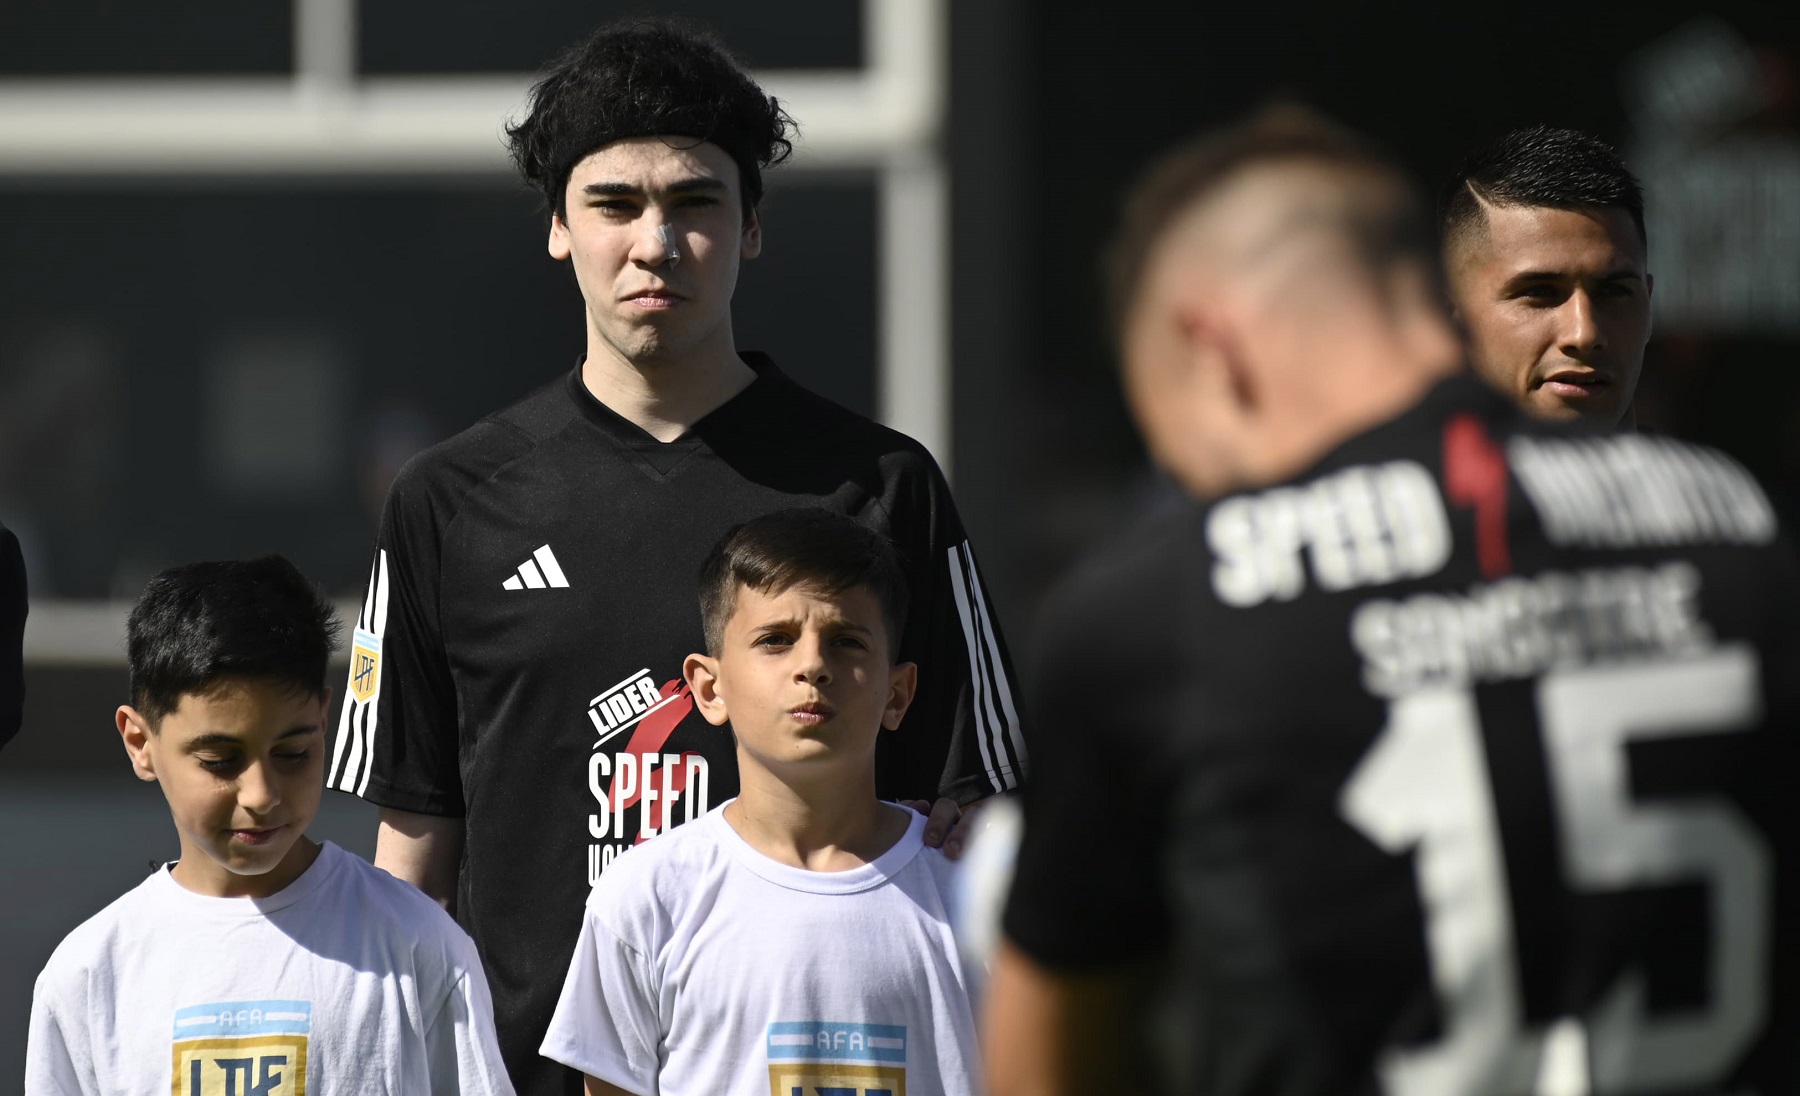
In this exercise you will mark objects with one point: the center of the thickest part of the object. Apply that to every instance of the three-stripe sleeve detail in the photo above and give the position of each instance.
(996, 715)
(352, 758)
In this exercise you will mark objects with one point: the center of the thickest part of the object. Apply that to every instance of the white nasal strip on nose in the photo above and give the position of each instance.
(671, 253)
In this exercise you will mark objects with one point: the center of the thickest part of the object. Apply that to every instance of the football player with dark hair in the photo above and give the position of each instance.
(516, 699)
(1442, 752)
(1544, 248)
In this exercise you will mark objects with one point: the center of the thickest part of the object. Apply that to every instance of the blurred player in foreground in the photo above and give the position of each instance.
(1544, 247)
(1440, 753)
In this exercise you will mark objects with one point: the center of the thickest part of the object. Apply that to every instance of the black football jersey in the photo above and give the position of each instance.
(518, 657)
(1456, 766)
(12, 635)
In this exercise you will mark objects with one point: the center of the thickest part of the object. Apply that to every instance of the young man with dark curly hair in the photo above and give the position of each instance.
(516, 700)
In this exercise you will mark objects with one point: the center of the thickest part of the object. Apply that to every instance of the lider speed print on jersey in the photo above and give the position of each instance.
(640, 791)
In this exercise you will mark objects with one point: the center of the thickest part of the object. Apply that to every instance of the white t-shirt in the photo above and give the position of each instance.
(347, 980)
(704, 967)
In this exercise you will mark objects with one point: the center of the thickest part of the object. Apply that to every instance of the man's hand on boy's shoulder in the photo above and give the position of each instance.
(947, 826)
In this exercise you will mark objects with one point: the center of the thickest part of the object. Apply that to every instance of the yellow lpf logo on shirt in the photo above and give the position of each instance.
(242, 1048)
(365, 666)
(811, 1078)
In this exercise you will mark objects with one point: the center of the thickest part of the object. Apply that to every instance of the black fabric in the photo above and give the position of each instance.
(485, 692)
(1215, 760)
(12, 635)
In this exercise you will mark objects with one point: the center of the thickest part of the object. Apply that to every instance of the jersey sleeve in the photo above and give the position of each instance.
(963, 736)
(12, 636)
(461, 1048)
(397, 733)
(56, 1062)
(1085, 892)
(606, 1023)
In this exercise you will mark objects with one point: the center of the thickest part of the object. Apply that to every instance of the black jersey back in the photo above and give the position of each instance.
(1453, 767)
(518, 658)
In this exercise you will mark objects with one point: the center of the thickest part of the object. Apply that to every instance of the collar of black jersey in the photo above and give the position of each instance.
(628, 433)
(1461, 392)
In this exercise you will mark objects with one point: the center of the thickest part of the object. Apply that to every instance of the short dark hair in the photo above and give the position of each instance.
(1183, 176)
(1537, 166)
(642, 78)
(801, 547)
(201, 623)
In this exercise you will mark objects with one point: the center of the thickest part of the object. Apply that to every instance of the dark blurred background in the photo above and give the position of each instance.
(203, 360)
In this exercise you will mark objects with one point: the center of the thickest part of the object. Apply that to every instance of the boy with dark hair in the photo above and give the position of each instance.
(1544, 249)
(262, 961)
(516, 700)
(798, 937)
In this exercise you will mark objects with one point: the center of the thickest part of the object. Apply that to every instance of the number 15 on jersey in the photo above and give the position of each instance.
(1425, 786)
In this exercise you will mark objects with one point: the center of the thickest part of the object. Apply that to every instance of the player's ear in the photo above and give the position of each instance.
(135, 731)
(559, 237)
(750, 245)
(1214, 368)
(903, 683)
(702, 674)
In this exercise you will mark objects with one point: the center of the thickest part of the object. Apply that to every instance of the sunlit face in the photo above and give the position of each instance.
(642, 308)
(805, 678)
(1555, 304)
(242, 767)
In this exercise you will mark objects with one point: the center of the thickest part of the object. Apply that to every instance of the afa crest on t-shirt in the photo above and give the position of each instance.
(242, 1048)
(855, 1059)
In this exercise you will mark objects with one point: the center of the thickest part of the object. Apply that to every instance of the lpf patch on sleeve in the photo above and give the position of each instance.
(234, 1048)
(365, 666)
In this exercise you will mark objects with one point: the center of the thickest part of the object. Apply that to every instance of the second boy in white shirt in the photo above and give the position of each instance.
(798, 937)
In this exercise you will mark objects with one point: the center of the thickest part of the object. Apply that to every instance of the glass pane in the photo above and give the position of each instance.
(439, 36)
(145, 37)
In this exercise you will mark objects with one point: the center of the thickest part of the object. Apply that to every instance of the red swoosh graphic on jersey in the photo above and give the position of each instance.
(1475, 476)
(648, 737)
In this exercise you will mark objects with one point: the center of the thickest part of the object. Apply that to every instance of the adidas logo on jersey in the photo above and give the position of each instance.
(539, 571)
